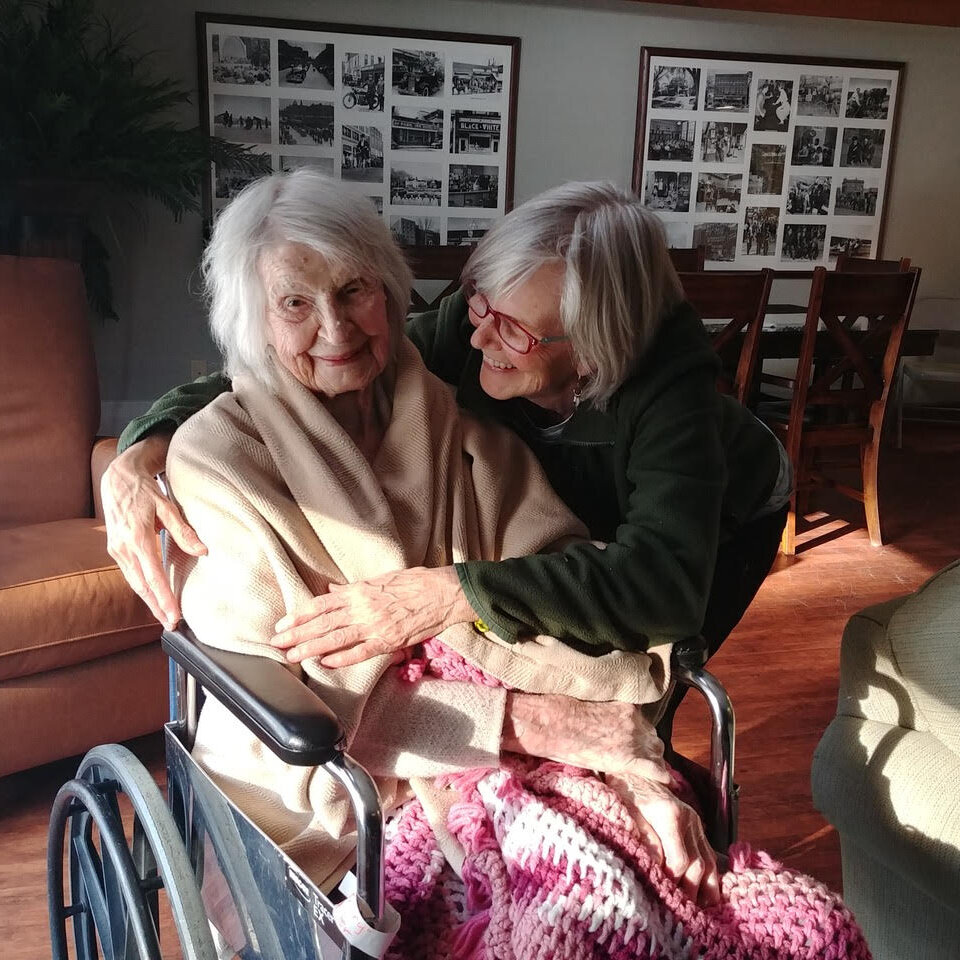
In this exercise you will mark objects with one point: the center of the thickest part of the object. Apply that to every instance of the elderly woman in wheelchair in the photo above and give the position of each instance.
(529, 804)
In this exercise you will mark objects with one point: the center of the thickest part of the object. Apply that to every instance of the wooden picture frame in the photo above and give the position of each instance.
(422, 122)
(766, 160)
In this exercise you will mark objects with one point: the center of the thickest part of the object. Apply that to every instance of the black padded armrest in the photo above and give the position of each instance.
(263, 695)
(691, 652)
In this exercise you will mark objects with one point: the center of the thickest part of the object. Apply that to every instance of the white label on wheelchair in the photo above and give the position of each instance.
(356, 929)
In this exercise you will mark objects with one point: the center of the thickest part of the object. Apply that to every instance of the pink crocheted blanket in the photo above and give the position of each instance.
(555, 868)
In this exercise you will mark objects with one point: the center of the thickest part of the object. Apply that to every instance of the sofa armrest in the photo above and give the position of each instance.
(104, 453)
(896, 794)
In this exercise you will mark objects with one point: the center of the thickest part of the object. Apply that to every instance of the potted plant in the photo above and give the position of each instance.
(82, 119)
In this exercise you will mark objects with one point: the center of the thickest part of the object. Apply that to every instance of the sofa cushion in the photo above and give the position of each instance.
(49, 404)
(63, 600)
(62, 712)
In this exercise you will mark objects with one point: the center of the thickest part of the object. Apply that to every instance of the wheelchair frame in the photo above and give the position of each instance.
(114, 885)
(281, 913)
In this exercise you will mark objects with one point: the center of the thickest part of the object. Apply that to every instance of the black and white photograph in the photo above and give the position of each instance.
(244, 60)
(230, 182)
(719, 192)
(803, 241)
(868, 99)
(728, 91)
(675, 88)
(241, 119)
(324, 164)
(417, 73)
(411, 231)
(814, 146)
(851, 246)
(416, 184)
(420, 122)
(808, 196)
(862, 147)
(414, 129)
(723, 142)
(778, 145)
(767, 161)
(306, 122)
(474, 131)
(465, 232)
(818, 95)
(760, 231)
(718, 239)
(362, 154)
(362, 79)
(773, 109)
(473, 186)
(678, 233)
(668, 190)
(477, 79)
(855, 198)
(304, 64)
(671, 139)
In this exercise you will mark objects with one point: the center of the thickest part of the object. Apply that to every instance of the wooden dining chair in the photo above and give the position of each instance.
(848, 264)
(688, 259)
(442, 265)
(841, 400)
(739, 298)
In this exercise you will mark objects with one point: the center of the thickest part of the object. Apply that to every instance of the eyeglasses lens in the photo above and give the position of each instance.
(507, 330)
(512, 335)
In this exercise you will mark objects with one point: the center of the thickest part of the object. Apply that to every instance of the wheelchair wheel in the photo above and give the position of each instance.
(118, 864)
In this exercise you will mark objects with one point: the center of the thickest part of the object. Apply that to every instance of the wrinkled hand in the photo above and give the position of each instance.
(611, 737)
(675, 832)
(616, 739)
(356, 621)
(134, 509)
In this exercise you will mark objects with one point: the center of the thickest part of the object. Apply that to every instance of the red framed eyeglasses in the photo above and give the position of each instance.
(513, 333)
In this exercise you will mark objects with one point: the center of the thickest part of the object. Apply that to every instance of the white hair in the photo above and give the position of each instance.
(619, 282)
(301, 207)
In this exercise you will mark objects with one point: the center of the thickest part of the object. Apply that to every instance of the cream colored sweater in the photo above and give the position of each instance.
(286, 504)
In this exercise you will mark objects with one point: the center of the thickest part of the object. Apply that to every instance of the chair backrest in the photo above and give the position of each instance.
(49, 397)
(442, 266)
(854, 368)
(688, 259)
(848, 264)
(739, 298)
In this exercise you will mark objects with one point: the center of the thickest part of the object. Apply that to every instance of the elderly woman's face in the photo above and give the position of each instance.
(327, 323)
(547, 374)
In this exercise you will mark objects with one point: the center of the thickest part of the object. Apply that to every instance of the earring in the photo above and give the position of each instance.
(578, 391)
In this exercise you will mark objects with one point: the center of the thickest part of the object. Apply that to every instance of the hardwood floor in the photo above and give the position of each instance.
(780, 667)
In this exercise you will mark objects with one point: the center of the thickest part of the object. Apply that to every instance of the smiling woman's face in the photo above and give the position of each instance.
(328, 323)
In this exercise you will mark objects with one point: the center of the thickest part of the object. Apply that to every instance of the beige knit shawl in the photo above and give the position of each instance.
(286, 503)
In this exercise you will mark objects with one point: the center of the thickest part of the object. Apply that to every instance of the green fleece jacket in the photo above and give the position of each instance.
(662, 475)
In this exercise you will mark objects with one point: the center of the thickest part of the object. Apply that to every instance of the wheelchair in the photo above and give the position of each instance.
(230, 890)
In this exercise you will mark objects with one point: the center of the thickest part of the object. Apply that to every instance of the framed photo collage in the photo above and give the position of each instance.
(766, 161)
(421, 123)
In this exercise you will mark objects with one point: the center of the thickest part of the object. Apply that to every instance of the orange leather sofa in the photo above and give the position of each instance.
(80, 661)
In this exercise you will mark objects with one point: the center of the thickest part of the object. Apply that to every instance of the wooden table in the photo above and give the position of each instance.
(785, 342)
(781, 337)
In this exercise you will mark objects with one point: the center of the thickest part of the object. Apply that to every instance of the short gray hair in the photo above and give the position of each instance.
(301, 207)
(619, 282)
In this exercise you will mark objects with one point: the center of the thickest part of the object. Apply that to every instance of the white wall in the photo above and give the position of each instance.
(579, 68)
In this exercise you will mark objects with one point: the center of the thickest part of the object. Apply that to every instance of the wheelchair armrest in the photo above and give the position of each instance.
(263, 695)
(691, 652)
